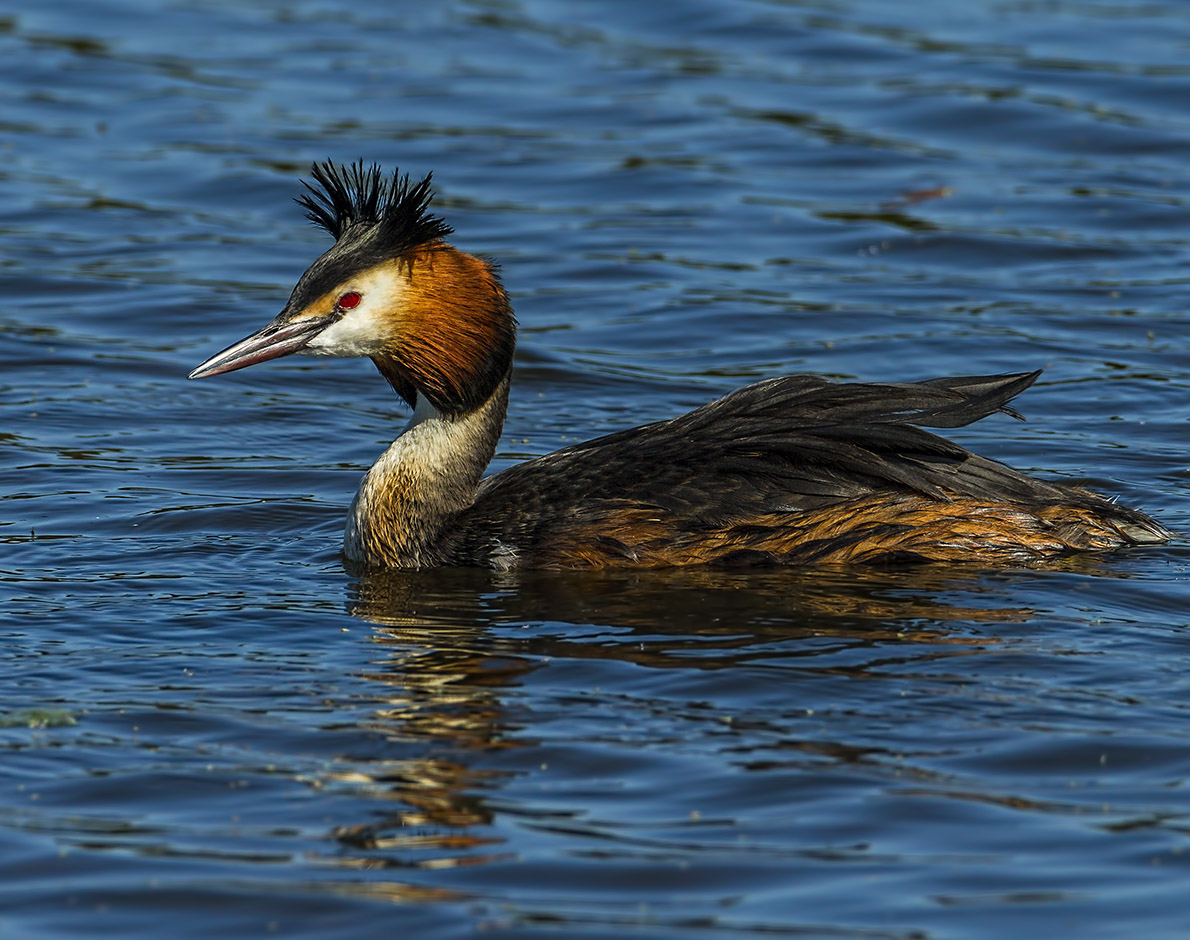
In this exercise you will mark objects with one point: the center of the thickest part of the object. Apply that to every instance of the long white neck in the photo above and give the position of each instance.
(427, 476)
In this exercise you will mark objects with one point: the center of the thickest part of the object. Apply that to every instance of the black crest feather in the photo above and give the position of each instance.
(351, 195)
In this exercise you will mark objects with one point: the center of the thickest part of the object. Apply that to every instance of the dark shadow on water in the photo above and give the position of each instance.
(673, 602)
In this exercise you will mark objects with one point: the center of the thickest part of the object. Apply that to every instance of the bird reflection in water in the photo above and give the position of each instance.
(454, 648)
(437, 698)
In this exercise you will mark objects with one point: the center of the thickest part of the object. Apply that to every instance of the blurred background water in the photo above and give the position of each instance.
(209, 728)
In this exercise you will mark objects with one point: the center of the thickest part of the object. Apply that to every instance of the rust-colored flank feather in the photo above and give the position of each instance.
(788, 471)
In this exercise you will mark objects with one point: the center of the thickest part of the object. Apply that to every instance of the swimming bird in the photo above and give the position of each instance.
(794, 470)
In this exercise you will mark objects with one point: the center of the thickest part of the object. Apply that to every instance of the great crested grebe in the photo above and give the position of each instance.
(794, 470)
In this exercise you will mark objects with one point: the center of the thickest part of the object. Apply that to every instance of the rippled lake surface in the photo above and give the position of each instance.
(208, 727)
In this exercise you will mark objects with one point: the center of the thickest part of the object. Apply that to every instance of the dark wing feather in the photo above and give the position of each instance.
(797, 432)
(788, 444)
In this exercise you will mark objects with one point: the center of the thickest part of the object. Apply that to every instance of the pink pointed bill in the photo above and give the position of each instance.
(272, 342)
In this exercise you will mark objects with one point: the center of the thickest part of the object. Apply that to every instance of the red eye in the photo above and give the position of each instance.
(348, 300)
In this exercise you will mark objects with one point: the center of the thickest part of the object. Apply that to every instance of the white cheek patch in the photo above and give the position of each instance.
(365, 329)
(356, 334)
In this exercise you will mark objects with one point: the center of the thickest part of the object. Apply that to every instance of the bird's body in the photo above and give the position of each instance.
(793, 470)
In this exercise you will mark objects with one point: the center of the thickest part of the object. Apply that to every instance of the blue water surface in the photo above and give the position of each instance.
(208, 727)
